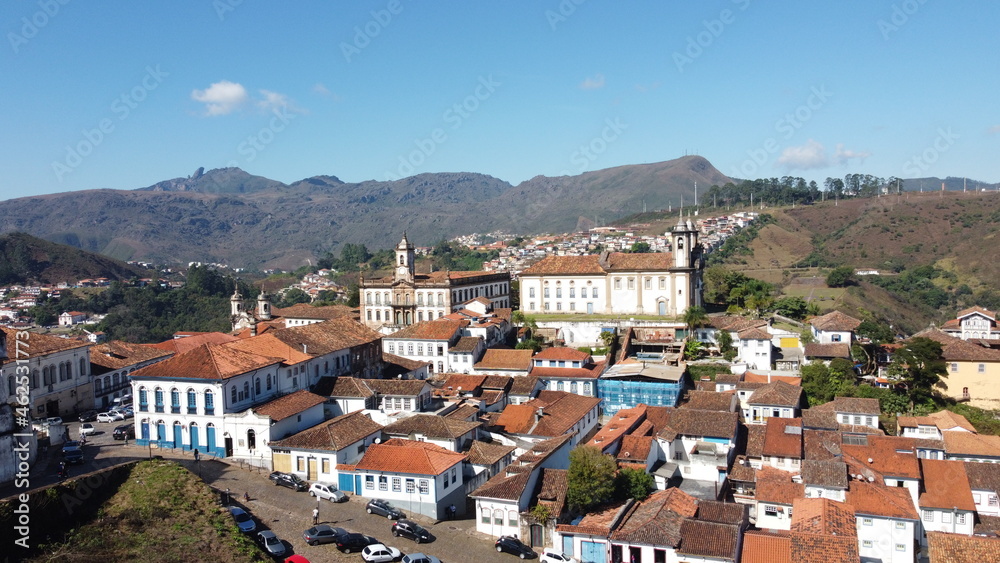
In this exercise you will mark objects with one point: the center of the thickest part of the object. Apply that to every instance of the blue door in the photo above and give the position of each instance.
(161, 433)
(592, 552)
(662, 308)
(178, 436)
(345, 481)
(210, 436)
(144, 431)
(357, 484)
(194, 436)
(568, 545)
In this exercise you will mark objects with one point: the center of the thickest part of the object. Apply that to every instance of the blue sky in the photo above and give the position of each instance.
(125, 94)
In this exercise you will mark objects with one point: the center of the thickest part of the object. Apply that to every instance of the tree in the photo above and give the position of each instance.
(693, 350)
(919, 366)
(633, 483)
(792, 307)
(725, 341)
(695, 316)
(608, 338)
(816, 383)
(841, 276)
(640, 248)
(292, 297)
(590, 479)
(877, 332)
(529, 344)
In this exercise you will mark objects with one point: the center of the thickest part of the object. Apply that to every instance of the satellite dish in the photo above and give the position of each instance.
(378, 440)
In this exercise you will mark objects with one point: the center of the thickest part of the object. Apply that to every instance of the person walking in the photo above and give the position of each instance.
(197, 454)
(316, 515)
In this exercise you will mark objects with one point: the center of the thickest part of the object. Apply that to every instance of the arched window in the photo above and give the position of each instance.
(268, 382)
(34, 379)
(251, 439)
(209, 402)
(83, 366)
(98, 388)
(115, 380)
(192, 401)
(233, 395)
(256, 386)
(175, 401)
(158, 399)
(246, 389)
(143, 399)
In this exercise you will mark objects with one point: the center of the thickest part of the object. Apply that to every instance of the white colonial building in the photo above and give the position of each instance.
(656, 283)
(407, 297)
(59, 372)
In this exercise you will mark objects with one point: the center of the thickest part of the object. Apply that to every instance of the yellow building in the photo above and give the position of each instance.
(973, 370)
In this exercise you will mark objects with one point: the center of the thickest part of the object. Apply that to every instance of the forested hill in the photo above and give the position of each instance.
(27, 259)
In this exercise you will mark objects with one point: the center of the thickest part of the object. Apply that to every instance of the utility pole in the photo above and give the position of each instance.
(696, 194)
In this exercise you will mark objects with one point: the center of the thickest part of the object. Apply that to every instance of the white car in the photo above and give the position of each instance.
(110, 417)
(379, 553)
(550, 556)
(327, 491)
(86, 429)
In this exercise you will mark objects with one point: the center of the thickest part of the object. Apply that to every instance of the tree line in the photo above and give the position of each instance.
(788, 190)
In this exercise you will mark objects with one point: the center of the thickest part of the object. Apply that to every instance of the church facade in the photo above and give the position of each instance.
(407, 297)
(660, 283)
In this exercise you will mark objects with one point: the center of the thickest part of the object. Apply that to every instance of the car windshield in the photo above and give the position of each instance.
(271, 540)
(241, 516)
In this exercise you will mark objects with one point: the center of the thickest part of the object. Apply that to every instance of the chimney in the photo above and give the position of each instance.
(538, 414)
(305, 349)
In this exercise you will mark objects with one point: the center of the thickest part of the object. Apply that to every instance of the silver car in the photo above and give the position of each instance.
(327, 491)
(269, 541)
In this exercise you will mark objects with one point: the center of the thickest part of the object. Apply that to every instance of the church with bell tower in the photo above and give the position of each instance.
(407, 297)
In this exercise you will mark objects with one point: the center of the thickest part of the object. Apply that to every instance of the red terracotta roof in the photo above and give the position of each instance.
(289, 405)
(946, 485)
(944, 420)
(332, 435)
(966, 444)
(438, 329)
(188, 343)
(778, 393)
(562, 353)
(776, 486)
(561, 410)
(761, 546)
(206, 362)
(956, 548)
(871, 499)
(118, 354)
(592, 372)
(835, 321)
(496, 358)
(783, 437)
(408, 456)
(658, 519)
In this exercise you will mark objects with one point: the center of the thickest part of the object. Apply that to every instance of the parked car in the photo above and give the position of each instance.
(349, 543)
(510, 544)
(69, 444)
(411, 530)
(270, 542)
(86, 429)
(289, 480)
(73, 455)
(420, 558)
(551, 556)
(380, 553)
(110, 417)
(88, 416)
(322, 534)
(123, 431)
(384, 508)
(53, 420)
(243, 520)
(327, 491)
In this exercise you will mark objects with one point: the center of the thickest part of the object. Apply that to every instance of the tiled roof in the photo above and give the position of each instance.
(822, 444)
(351, 387)
(318, 339)
(777, 393)
(483, 453)
(404, 363)
(958, 350)
(562, 353)
(983, 476)
(561, 265)
(438, 329)
(742, 470)
(553, 486)
(855, 405)
(710, 401)
(523, 386)
(835, 321)
(871, 499)
(401, 387)
(592, 372)
(945, 485)
(619, 424)
(561, 410)
(824, 531)
(407, 456)
(828, 350)
(728, 378)
(783, 437)
(820, 419)
(944, 420)
(496, 358)
(289, 405)
(38, 344)
(735, 323)
(889, 456)
(987, 526)
(206, 362)
(635, 448)
(658, 519)
(188, 343)
(753, 334)
(454, 383)
(118, 354)
(627, 261)
(597, 522)
(510, 484)
(955, 548)
(976, 309)
(464, 412)
(271, 346)
(722, 512)
(828, 473)
(333, 435)
(751, 377)
(755, 440)
(307, 311)
(709, 539)
(775, 485)
(697, 422)
(968, 444)
(658, 417)
(498, 382)
(761, 546)
(432, 426)
(465, 344)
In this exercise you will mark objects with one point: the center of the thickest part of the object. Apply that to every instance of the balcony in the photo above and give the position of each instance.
(158, 408)
(192, 410)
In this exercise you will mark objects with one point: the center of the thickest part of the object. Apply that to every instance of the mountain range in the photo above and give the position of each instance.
(229, 216)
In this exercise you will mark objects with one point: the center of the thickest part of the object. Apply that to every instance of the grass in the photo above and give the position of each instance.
(160, 513)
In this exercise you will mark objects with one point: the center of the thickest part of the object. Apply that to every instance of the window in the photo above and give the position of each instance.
(982, 368)
(954, 367)
(411, 486)
(232, 395)
(158, 396)
(866, 521)
(960, 518)
(900, 547)
(572, 306)
(325, 465)
(572, 292)
(498, 517)
(424, 487)
(559, 306)
(397, 484)
(976, 498)
(545, 293)
(618, 283)
(631, 283)
(900, 525)
(300, 463)
(558, 292)
(594, 293)
(946, 517)
(648, 284)
(770, 510)
(511, 518)
(663, 283)
(545, 306)
(269, 379)
(531, 305)
(192, 402)
(835, 338)
(454, 475)
(485, 516)
(857, 419)
(994, 500)
(369, 482)
(143, 399)
(866, 543)
(869, 420)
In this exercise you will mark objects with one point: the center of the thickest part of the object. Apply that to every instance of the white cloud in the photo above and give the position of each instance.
(592, 83)
(810, 155)
(221, 98)
(995, 129)
(843, 156)
(322, 90)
